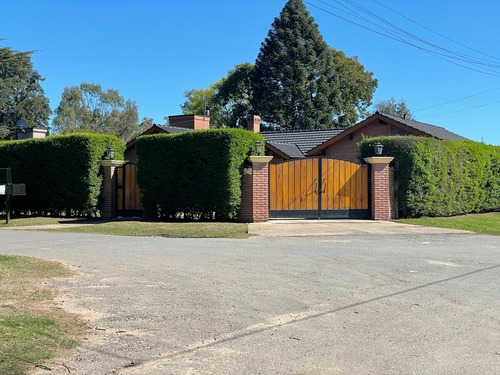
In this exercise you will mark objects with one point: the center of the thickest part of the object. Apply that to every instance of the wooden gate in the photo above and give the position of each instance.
(128, 193)
(319, 187)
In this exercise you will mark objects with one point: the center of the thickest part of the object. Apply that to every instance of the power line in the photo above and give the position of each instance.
(435, 32)
(462, 110)
(457, 100)
(438, 51)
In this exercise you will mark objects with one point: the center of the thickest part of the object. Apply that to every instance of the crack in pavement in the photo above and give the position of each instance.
(281, 321)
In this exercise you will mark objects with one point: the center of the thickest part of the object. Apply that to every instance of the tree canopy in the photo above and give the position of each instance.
(87, 108)
(227, 101)
(21, 94)
(297, 82)
(300, 83)
(393, 108)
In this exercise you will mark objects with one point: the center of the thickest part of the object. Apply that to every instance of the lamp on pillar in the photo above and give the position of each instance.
(258, 147)
(110, 153)
(379, 148)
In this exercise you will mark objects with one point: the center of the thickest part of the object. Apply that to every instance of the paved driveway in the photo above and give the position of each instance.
(353, 304)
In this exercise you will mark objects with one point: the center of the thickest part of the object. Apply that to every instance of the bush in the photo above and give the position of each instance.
(441, 178)
(195, 175)
(61, 173)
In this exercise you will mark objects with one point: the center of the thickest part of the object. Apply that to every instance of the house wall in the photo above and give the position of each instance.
(131, 154)
(276, 158)
(347, 149)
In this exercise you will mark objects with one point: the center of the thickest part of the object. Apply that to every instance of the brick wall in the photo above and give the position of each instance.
(196, 122)
(255, 194)
(347, 149)
(108, 207)
(381, 192)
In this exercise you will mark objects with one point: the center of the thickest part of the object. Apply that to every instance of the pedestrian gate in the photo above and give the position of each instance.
(128, 193)
(319, 187)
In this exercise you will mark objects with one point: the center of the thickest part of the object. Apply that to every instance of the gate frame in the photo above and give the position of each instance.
(325, 214)
(123, 212)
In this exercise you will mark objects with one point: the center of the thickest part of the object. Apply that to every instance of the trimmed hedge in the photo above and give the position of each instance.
(194, 175)
(61, 173)
(441, 178)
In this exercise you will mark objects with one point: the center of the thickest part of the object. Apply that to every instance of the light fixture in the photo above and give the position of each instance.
(258, 147)
(379, 147)
(110, 153)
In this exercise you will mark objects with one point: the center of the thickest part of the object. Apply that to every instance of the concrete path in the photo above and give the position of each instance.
(352, 304)
(300, 228)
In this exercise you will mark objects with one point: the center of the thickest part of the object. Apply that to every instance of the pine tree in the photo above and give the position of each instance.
(21, 93)
(297, 79)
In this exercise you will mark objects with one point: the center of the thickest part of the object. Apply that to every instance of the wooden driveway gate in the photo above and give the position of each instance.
(319, 187)
(128, 193)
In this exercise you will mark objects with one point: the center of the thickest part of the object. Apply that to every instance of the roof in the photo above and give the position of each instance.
(287, 149)
(296, 144)
(432, 130)
(173, 129)
(414, 127)
(155, 129)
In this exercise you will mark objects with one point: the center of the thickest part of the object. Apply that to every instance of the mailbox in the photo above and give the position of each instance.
(8, 190)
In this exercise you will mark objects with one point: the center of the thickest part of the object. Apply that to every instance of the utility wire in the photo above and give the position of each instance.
(462, 110)
(445, 54)
(434, 32)
(456, 100)
(454, 54)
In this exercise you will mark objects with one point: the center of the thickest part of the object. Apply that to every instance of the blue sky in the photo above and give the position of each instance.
(154, 51)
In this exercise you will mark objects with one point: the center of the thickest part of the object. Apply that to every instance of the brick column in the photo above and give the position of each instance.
(380, 187)
(108, 208)
(255, 191)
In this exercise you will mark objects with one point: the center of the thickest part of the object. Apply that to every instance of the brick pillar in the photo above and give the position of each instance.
(255, 191)
(380, 187)
(108, 208)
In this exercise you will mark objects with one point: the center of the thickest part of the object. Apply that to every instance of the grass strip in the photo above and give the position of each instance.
(32, 329)
(488, 223)
(176, 230)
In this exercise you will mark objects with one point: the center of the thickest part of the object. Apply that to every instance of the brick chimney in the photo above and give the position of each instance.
(195, 122)
(253, 123)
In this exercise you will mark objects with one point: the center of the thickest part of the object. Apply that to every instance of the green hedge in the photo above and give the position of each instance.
(196, 174)
(61, 173)
(442, 178)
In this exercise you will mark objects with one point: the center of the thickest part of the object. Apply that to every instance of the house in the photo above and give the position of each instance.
(285, 145)
(342, 143)
(176, 124)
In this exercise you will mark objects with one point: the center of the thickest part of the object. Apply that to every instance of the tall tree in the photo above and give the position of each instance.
(87, 108)
(300, 83)
(393, 108)
(227, 101)
(234, 94)
(355, 89)
(21, 94)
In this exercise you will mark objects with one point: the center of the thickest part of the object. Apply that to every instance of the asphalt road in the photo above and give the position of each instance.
(352, 304)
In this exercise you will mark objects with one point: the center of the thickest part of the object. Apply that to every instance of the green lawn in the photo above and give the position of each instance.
(32, 328)
(480, 223)
(27, 221)
(176, 229)
(135, 227)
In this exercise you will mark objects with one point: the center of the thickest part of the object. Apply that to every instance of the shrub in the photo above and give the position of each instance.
(441, 178)
(61, 173)
(196, 174)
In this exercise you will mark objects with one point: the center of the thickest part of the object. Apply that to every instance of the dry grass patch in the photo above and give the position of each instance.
(32, 328)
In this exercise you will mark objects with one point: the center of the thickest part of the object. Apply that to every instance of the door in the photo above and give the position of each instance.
(128, 193)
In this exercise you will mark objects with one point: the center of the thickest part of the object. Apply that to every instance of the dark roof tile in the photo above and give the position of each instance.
(432, 130)
(304, 140)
